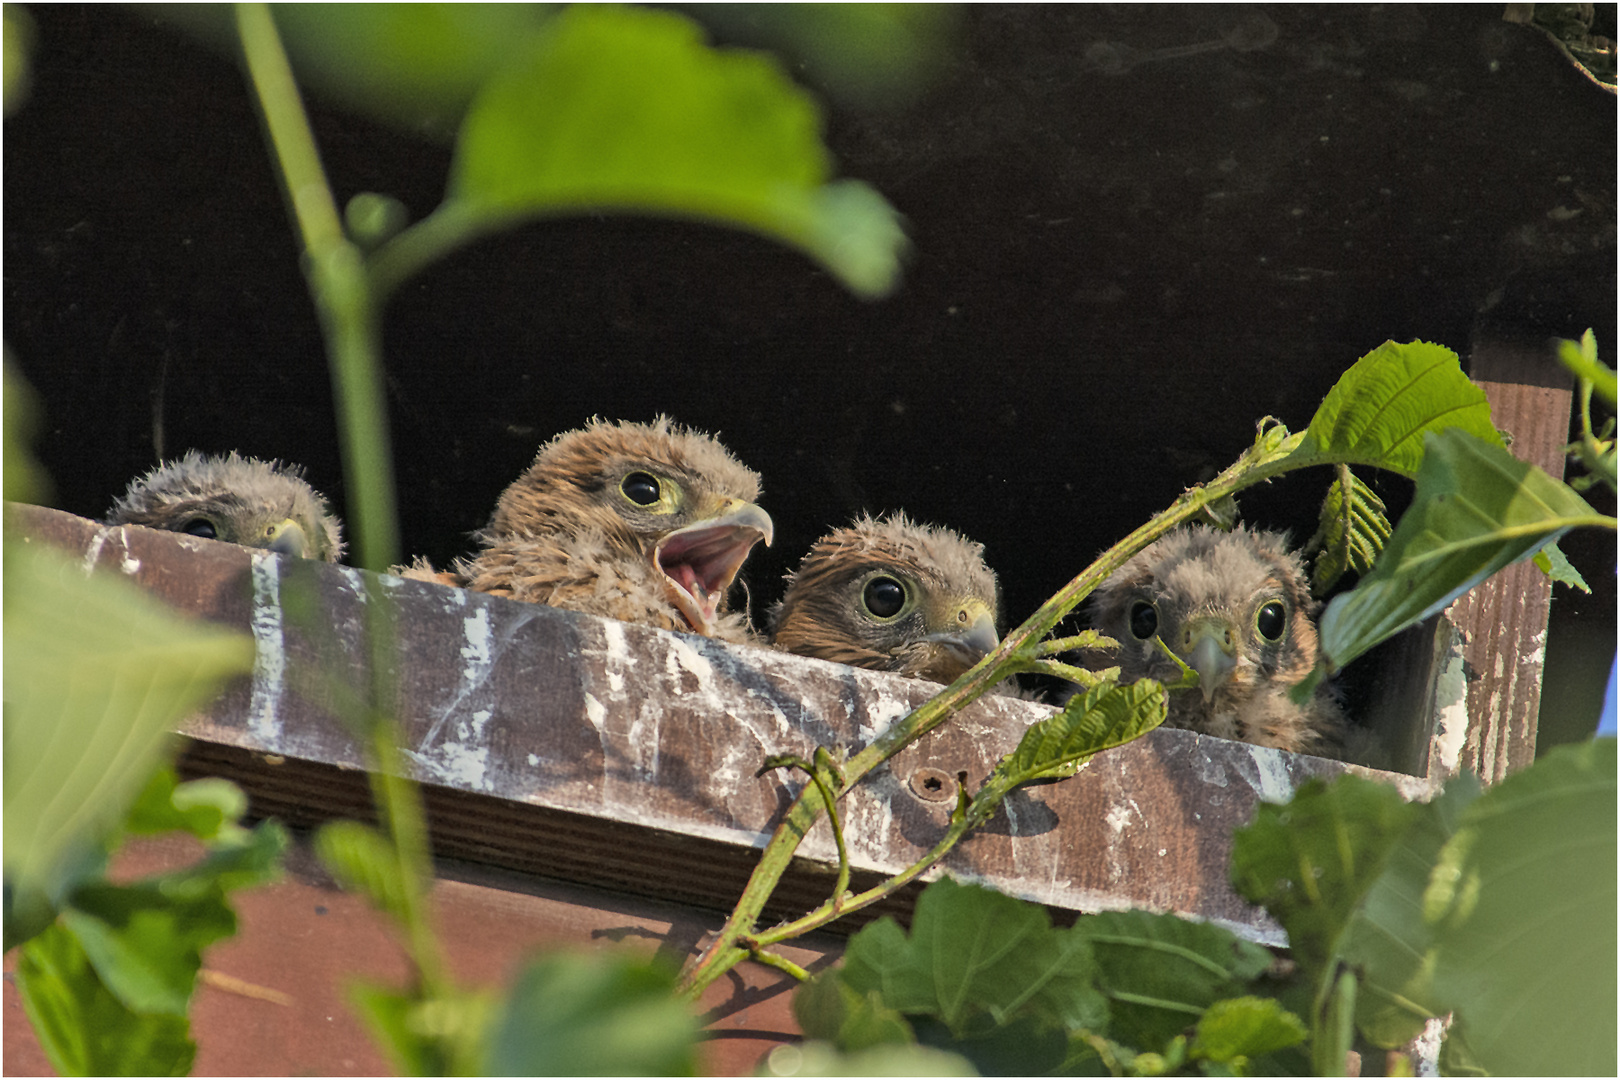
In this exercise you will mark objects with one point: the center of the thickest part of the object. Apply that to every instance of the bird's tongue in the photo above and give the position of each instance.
(699, 563)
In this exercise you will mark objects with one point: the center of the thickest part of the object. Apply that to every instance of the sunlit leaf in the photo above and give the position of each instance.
(1525, 925)
(1477, 508)
(622, 109)
(1581, 358)
(83, 1027)
(1236, 1029)
(1310, 861)
(604, 1014)
(1380, 410)
(1161, 972)
(1098, 719)
(1551, 561)
(97, 673)
(1351, 531)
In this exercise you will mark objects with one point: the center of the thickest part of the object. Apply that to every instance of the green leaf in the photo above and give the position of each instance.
(1581, 358)
(828, 1008)
(1380, 410)
(1388, 940)
(441, 1036)
(1525, 919)
(97, 674)
(244, 862)
(971, 951)
(207, 809)
(1236, 1029)
(1310, 861)
(623, 109)
(363, 860)
(1101, 718)
(1552, 562)
(1477, 508)
(1350, 533)
(889, 1059)
(1161, 972)
(83, 1027)
(147, 945)
(601, 1014)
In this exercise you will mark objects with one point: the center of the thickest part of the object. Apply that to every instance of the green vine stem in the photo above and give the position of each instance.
(1021, 649)
(343, 295)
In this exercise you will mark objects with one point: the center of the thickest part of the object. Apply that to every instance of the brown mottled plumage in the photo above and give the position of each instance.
(645, 523)
(240, 500)
(1236, 607)
(893, 596)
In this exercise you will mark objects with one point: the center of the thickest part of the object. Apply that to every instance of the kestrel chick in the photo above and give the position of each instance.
(1236, 607)
(240, 500)
(891, 595)
(646, 523)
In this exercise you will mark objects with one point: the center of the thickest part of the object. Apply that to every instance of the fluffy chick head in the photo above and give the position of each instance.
(239, 500)
(891, 595)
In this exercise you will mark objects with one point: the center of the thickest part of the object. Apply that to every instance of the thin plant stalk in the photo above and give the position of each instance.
(344, 298)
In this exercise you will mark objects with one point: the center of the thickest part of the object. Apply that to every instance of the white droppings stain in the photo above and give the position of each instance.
(1163, 852)
(1274, 784)
(595, 712)
(616, 681)
(458, 766)
(269, 651)
(1501, 665)
(682, 657)
(475, 631)
(534, 759)
(93, 552)
(129, 564)
(1119, 816)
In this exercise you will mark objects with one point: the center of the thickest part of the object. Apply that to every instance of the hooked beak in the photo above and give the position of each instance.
(1209, 646)
(287, 537)
(700, 562)
(969, 636)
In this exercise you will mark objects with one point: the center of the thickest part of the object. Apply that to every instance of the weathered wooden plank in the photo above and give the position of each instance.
(596, 751)
(1504, 620)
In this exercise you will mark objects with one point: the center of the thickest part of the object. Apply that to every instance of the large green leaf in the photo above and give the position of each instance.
(1233, 1031)
(828, 1008)
(1380, 410)
(605, 1014)
(83, 1027)
(974, 951)
(97, 673)
(1477, 508)
(1310, 861)
(1523, 901)
(621, 109)
(1388, 940)
(1161, 972)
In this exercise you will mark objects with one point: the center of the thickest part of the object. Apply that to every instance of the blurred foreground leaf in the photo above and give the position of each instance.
(603, 1014)
(97, 674)
(626, 109)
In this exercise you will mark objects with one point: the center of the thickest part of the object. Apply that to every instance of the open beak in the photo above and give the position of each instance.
(968, 635)
(287, 538)
(1209, 646)
(700, 562)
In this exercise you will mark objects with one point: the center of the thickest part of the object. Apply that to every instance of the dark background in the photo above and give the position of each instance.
(1114, 276)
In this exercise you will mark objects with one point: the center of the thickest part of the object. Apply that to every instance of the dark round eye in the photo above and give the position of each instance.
(200, 527)
(884, 597)
(1144, 620)
(640, 488)
(1271, 620)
